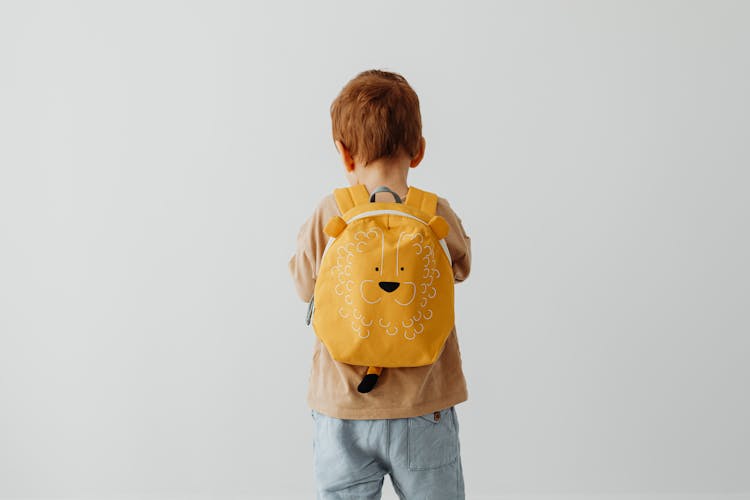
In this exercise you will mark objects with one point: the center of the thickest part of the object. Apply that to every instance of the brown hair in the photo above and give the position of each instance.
(376, 115)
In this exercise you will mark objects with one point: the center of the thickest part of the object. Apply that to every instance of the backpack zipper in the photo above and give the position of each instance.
(391, 212)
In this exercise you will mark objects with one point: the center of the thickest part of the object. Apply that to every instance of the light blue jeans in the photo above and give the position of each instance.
(422, 454)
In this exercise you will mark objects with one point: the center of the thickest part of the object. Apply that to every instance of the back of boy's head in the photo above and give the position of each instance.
(376, 115)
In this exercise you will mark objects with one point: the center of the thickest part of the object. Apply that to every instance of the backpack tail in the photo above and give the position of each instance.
(370, 379)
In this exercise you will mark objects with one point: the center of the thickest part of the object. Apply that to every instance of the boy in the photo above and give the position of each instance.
(407, 426)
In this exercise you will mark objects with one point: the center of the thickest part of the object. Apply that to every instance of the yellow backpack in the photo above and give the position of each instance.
(384, 292)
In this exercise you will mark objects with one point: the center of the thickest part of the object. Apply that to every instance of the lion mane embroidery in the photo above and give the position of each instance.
(413, 268)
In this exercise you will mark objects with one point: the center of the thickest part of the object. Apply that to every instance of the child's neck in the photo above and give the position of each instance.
(389, 172)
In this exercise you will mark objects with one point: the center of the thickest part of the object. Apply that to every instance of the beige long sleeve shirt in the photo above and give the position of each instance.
(400, 392)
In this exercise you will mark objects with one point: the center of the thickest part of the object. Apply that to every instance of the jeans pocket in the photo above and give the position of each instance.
(432, 440)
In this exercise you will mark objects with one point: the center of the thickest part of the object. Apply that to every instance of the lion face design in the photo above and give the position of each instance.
(391, 275)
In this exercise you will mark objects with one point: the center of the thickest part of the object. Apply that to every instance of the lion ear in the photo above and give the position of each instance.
(439, 226)
(334, 226)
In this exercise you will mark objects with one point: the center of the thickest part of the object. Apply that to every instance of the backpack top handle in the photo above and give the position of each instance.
(384, 189)
(352, 196)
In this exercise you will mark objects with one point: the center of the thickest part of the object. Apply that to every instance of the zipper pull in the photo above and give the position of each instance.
(310, 307)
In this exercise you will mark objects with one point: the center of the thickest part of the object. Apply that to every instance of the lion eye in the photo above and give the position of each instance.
(402, 268)
(377, 269)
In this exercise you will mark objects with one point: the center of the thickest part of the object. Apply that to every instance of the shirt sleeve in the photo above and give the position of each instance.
(311, 241)
(458, 241)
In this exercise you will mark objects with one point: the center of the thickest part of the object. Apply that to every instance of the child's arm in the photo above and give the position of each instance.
(311, 241)
(458, 242)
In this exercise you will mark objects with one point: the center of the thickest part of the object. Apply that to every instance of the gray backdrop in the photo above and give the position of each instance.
(158, 158)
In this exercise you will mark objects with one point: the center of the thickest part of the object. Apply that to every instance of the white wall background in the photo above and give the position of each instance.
(158, 158)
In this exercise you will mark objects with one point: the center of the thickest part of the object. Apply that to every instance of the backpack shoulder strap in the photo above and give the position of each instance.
(422, 200)
(348, 197)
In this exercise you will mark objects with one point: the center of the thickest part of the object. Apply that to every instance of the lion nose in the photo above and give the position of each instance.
(389, 286)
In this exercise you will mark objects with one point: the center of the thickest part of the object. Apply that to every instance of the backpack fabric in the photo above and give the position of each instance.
(384, 292)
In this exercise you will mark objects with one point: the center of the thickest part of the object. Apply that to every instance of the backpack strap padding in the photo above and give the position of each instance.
(422, 200)
(348, 197)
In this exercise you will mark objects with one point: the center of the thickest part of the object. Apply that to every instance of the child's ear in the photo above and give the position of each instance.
(346, 157)
(420, 154)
